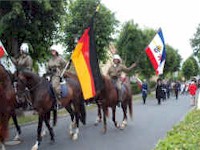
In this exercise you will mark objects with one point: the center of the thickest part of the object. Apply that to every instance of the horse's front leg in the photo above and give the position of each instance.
(114, 117)
(99, 116)
(39, 137)
(72, 124)
(46, 120)
(14, 117)
(105, 112)
(3, 146)
(76, 132)
(124, 122)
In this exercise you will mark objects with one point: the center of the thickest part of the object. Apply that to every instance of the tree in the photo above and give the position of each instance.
(195, 42)
(190, 68)
(131, 46)
(36, 22)
(173, 60)
(79, 15)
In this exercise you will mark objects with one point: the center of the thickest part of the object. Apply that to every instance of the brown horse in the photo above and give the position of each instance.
(7, 104)
(108, 97)
(43, 100)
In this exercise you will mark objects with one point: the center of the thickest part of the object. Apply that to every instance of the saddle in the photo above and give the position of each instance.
(63, 89)
(123, 88)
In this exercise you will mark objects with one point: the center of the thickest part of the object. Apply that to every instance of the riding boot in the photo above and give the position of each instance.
(57, 103)
(119, 97)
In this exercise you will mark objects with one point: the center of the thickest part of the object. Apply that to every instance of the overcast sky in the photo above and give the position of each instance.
(177, 18)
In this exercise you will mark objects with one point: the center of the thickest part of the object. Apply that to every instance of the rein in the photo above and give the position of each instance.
(30, 89)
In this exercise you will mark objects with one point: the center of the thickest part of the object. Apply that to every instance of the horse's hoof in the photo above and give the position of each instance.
(117, 126)
(3, 147)
(96, 123)
(122, 127)
(52, 141)
(35, 147)
(17, 138)
(75, 137)
(71, 133)
(104, 131)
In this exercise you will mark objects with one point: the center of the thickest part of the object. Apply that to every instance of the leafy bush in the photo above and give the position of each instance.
(152, 85)
(184, 136)
(135, 88)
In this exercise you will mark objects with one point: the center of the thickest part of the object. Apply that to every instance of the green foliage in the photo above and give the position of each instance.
(173, 60)
(79, 15)
(195, 42)
(185, 136)
(131, 44)
(35, 21)
(190, 68)
(152, 85)
(135, 88)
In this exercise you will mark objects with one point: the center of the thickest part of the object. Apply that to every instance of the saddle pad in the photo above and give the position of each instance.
(51, 92)
(64, 90)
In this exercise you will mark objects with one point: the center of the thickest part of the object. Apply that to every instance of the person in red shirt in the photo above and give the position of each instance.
(192, 90)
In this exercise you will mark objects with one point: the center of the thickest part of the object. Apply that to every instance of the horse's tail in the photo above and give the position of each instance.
(130, 106)
(54, 117)
(82, 112)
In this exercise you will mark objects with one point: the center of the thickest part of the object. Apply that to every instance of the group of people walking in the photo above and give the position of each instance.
(165, 89)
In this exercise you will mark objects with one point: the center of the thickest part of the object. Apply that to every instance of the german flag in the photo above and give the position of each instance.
(86, 64)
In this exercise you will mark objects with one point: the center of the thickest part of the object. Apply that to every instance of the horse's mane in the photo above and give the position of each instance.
(107, 81)
(30, 73)
(70, 75)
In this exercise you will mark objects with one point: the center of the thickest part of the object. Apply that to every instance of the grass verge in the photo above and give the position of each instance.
(184, 136)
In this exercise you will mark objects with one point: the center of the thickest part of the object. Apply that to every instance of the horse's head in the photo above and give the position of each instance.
(21, 85)
(26, 80)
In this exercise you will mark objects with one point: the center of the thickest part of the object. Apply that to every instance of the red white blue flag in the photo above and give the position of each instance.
(5, 60)
(2, 50)
(156, 52)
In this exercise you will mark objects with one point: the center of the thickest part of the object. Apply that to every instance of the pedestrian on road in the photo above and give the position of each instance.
(192, 90)
(144, 91)
(177, 88)
(159, 92)
(168, 88)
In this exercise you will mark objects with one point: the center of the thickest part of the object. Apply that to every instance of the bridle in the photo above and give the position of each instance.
(26, 88)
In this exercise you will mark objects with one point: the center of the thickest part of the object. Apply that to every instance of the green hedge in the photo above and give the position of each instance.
(184, 136)
(135, 88)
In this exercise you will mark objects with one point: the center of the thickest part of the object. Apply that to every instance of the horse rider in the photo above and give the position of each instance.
(56, 66)
(115, 71)
(24, 61)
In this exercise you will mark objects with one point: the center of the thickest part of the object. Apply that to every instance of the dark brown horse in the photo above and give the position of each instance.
(43, 100)
(108, 97)
(7, 104)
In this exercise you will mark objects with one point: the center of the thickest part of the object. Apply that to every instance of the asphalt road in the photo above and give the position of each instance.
(150, 124)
